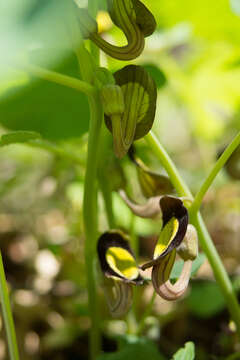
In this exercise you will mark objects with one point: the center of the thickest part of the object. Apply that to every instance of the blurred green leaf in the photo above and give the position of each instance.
(235, 5)
(139, 348)
(187, 353)
(61, 337)
(18, 137)
(55, 111)
(212, 20)
(157, 74)
(208, 305)
(177, 268)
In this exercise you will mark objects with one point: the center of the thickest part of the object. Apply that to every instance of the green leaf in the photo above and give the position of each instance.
(54, 111)
(18, 137)
(177, 268)
(187, 353)
(139, 348)
(208, 305)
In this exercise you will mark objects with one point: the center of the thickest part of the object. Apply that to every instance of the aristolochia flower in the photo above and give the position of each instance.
(153, 187)
(120, 270)
(176, 235)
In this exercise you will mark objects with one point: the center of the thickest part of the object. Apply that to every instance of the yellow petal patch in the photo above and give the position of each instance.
(167, 235)
(122, 262)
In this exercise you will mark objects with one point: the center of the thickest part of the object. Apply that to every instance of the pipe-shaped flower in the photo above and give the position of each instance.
(176, 235)
(132, 17)
(139, 99)
(174, 227)
(119, 267)
(151, 208)
(188, 250)
(153, 186)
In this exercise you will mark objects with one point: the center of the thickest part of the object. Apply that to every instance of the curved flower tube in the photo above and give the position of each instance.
(176, 236)
(132, 17)
(151, 209)
(118, 296)
(152, 184)
(160, 278)
(174, 227)
(118, 264)
(188, 250)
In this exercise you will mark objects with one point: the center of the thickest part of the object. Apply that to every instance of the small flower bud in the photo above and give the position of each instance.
(112, 100)
(188, 250)
(103, 77)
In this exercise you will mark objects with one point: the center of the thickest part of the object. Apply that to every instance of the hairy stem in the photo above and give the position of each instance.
(214, 172)
(7, 315)
(204, 237)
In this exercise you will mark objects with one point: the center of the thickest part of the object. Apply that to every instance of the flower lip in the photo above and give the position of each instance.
(108, 245)
(172, 209)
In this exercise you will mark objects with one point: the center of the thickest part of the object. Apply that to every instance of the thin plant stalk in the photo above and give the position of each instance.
(103, 176)
(107, 197)
(132, 315)
(57, 151)
(90, 221)
(168, 164)
(215, 170)
(7, 315)
(60, 79)
(90, 197)
(204, 237)
(93, 6)
(147, 313)
(219, 271)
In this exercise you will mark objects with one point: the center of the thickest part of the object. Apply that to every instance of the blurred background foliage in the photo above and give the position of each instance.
(194, 57)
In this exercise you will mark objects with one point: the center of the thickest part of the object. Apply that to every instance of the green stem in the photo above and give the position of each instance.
(220, 273)
(60, 79)
(7, 315)
(93, 10)
(204, 237)
(90, 219)
(146, 314)
(90, 198)
(214, 172)
(168, 164)
(107, 197)
(57, 150)
(133, 236)
(132, 315)
(103, 175)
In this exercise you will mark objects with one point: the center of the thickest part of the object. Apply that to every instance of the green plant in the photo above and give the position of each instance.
(127, 100)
